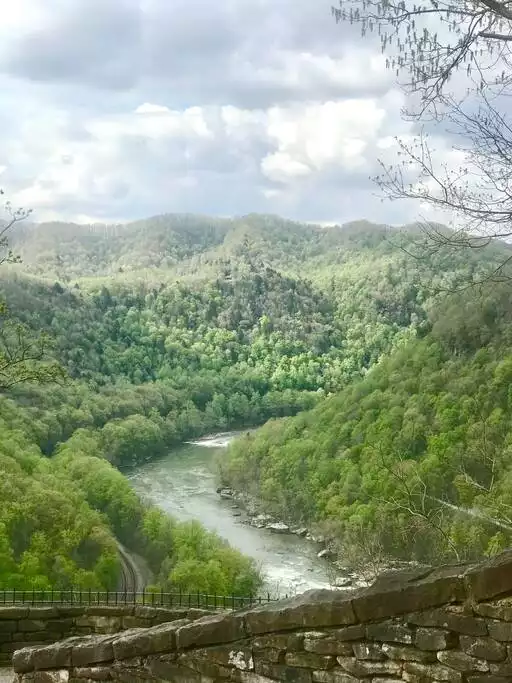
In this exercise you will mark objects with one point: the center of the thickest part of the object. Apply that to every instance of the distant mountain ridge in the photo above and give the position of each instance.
(69, 250)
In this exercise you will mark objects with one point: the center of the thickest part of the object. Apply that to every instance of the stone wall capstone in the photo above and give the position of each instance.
(23, 625)
(452, 624)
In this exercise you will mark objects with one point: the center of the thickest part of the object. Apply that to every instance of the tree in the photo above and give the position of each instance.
(454, 59)
(13, 216)
(22, 356)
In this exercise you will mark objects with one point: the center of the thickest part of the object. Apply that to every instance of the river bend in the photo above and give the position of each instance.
(183, 484)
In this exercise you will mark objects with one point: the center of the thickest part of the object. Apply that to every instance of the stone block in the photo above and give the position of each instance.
(109, 610)
(313, 609)
(308, 660)
(326, 645)
(335, 676)
(500, 630)
(488, 678)
(491, 578)
(93, 673)
(399, 594)
(279, 641)
(139, 676)
(451, 618)
(22, 660)
(502, 668)
(7, 627)
(355, 632)
(13, 613)
(205, 667)
(70, 610)
(147, 612)
(55, 656)
(49, 612)
(137, 642)
(105, 624)
(164, 669)
(51, 676)
(499, 609)
(433, 672)
(84, 620)
(234, 655)
(271, 655)
(36, 637)
(135, 622)
(280, 672)
(361, 667)
(169, 671)
(483, 648)
(198, 613)
(92, 650)
(371, 651)
(219, 628)
(63, 625)
(461, 661)
(408, 654)
(251, 677)
(435, 639)
(390, 632)
(31, 625)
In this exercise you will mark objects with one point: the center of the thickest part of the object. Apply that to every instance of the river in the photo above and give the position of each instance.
(183, 484)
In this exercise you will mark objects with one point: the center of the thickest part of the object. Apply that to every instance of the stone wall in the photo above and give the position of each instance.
(452, 624)
(21, 626)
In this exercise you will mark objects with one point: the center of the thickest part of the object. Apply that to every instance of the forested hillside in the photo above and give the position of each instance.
(178, 326)
(381, 466)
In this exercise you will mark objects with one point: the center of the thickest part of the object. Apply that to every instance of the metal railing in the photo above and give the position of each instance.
(40, 598)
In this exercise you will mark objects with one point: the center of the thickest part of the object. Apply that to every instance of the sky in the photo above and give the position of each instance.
(113, 110)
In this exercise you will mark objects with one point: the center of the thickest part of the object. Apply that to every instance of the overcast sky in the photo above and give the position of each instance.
(120, 109)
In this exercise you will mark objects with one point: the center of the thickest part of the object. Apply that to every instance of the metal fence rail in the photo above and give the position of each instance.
(149, 598)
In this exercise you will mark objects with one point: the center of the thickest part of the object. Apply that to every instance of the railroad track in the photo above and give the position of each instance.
(130, 579)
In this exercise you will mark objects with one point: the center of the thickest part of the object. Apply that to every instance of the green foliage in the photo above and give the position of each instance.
(427, 428)
(49, 535)
(239, 321)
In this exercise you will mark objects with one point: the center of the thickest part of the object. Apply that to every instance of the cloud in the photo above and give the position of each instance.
(148, 108)
(246, 52)
(94, 42)
(119, 109)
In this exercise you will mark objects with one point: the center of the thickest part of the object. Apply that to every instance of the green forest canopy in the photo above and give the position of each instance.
(180, 325)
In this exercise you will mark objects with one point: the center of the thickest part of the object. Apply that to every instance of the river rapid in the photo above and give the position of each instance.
(183, 484)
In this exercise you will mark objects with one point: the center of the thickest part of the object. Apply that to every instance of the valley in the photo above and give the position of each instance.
(381, 381)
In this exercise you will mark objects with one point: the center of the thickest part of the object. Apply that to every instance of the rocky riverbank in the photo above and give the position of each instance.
(249, 512)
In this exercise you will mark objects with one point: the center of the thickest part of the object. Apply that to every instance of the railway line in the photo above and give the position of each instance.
(131, 579)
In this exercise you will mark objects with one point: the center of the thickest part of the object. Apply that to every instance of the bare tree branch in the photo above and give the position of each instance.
(429, 42)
